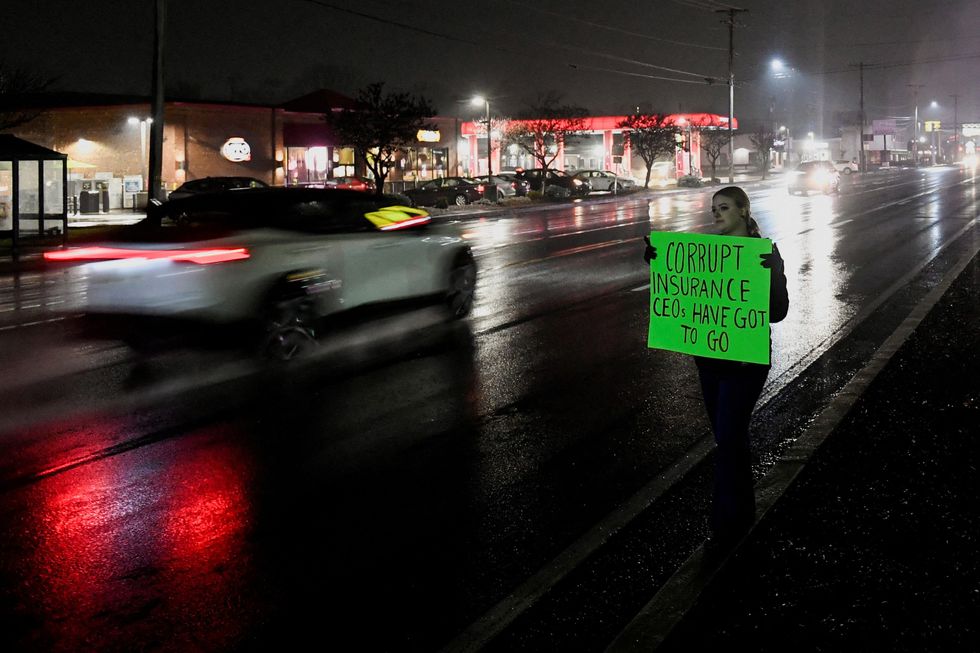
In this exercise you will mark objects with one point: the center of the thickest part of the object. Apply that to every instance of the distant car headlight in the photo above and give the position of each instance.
(577, 182)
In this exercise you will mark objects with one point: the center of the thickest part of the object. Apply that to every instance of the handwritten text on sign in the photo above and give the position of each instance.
(709, 296)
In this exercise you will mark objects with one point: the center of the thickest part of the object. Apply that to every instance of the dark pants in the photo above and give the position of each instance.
(730, 392)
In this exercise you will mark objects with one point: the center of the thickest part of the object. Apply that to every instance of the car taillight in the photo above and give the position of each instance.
(513, 185)
(199, 256)
(480, 188)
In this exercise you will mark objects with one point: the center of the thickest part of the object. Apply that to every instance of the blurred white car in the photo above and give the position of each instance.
(274, 260)
(846, 167)
(605, 180)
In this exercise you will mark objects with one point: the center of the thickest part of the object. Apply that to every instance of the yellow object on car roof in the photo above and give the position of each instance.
(389, 218)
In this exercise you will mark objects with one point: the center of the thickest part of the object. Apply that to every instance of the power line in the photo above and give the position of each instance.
(709, 5)
(879, 66)
(610, 28)
(394, 23)
(577, 66)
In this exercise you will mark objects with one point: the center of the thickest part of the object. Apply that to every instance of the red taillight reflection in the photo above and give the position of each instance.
(480, 188)
(199, 256)
(406, 223)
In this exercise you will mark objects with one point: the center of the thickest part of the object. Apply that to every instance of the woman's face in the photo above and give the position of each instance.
(729, 219)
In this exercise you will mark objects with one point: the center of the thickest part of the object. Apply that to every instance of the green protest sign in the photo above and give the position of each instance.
(709, 296)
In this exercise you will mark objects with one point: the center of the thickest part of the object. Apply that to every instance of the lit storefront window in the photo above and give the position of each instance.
(308, 165)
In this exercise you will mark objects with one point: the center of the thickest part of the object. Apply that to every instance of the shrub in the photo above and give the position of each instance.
(534, 195)
(689, 181)
(442, 204)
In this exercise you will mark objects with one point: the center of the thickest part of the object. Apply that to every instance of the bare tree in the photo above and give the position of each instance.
(380, 125)
(713, 143)
(651, 135)
(544, 128)
(17, 85)
(763, 139)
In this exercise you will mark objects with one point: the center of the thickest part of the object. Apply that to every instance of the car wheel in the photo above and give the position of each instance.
(461, 287)
(847, 171)
(461, 200)
(288, 329)
(614, 187)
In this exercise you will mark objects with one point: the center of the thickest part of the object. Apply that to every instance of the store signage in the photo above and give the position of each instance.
(236, 149)
(428, 136)
(932, 125)
(886, 127)
(971, 128)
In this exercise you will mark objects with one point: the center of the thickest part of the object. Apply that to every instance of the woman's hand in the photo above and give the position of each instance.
(650, 253)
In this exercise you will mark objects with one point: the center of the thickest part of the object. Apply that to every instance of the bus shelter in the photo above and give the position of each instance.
(33, 191)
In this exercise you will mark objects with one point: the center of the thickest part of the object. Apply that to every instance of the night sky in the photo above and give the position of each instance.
(604, 56)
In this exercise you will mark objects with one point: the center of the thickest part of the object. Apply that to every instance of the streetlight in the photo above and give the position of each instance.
(479, 99)
(779, 70)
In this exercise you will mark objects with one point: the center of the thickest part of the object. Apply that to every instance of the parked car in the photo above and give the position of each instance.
(846, 167)
(605, 180)
(505, 186)
(213, 185)
(269, 263)
(519, 184)
(814, 175)
(446, 190)
(556, 183)
(351, 183)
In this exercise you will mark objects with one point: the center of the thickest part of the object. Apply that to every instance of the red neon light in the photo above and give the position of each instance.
(406, 223)
(199, 256)
(611, 123)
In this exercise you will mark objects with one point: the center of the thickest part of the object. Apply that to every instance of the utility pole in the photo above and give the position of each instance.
(956, 128)
(156, 127)
(915, 128)
(864, 164)
(731, 88)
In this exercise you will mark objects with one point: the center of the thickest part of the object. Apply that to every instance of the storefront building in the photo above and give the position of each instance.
(107, 141)
(108, 145)
(601, 144)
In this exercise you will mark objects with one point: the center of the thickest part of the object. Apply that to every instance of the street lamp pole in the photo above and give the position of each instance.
(492, 193)
(956, 127)
(915, 128)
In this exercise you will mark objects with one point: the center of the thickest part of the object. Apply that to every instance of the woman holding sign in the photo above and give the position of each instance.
(731, 388)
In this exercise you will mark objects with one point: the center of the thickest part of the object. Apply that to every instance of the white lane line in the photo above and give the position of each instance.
(645, 286)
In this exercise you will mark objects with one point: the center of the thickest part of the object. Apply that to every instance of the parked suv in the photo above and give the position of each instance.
(814, 175)
(846, 167)
(556, 183)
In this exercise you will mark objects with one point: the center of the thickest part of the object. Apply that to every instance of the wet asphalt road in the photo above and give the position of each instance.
(389, 495)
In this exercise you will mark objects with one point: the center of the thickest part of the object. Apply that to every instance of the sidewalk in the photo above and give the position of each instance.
(874, 544)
